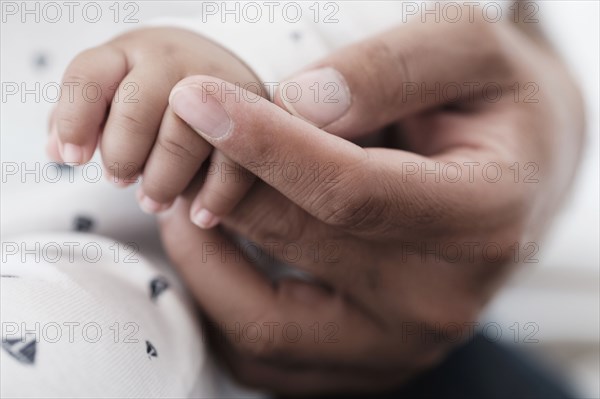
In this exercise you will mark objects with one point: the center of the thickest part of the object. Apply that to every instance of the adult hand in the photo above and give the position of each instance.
(418, 248)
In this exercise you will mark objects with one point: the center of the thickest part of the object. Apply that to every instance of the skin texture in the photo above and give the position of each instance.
(387, 300)
(132, 124)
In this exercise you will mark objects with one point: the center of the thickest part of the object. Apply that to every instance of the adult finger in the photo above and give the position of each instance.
(313, 379)
(237, 297)
(286, 232)
(331, 178)
(365, 191)
(373, 191)
(412, 67)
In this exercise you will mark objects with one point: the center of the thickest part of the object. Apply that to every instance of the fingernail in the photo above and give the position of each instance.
(71, 153)
(202, 111)
(205, 219)
(148, 205)
(320, 96)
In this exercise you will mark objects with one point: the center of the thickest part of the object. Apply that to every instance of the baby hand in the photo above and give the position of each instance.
(119, 101)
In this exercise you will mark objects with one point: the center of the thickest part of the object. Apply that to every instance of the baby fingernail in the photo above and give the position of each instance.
(202, 111)
(320, 96)
(71, 153)
(205, 219)
(148, 205)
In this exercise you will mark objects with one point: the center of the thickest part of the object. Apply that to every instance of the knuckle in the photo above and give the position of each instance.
(121, 164)
(252, 219)
(78, 72)
(84, 68)
(217, 196)
(384, 58)
(217, 199)
(68, 126)
(129, 123)
(282, 220)
(488, 47)
(354, 202)
(157, 190)
(77, 77)
(420, 209)
(86, 57)
(358, 213)
(259, 153)
(175, 148)
(284, 224)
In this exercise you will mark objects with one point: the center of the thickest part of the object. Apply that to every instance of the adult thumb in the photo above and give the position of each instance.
(413, 67)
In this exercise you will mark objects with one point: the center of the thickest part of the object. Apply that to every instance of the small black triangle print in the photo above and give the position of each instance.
(83, 224)
(151, 350)
(23, 351)
(296, 36)
(40, 61)
(157, 286)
